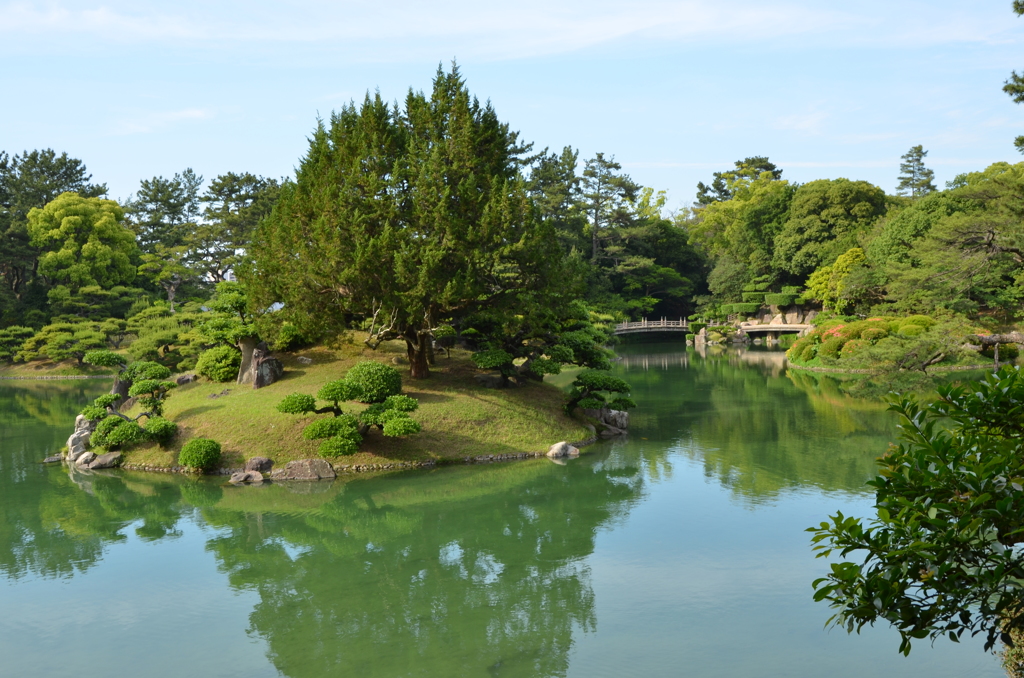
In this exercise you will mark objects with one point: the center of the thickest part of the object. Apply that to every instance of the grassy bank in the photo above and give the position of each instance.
(45, 369)
(459, 418)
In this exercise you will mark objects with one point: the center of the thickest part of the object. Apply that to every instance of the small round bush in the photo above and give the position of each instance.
(297, 403)
(200, 453)
(338, 447)
(161, 430)
(401, 425)
(377, 381)
(492, 359)
(911, 330)
(219, 363)
(919, 320)
(853, 347)
(808, 353)
(874, 334)
(1007, 352)
(128, 433)
(831, 348)
(402, 403)
(289, 338)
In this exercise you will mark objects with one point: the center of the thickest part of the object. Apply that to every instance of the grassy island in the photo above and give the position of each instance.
(459, 418)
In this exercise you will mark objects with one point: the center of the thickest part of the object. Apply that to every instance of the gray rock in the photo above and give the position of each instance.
(85, 459)
(53, 459)
(185, 379)
(304, 360)
(611, 432)
(239, 477)
(108, 460)
(267, 371)
(562, 450)
(83, 423)
(305, 469)
(593, 414)
(261, 464)
(616, 418)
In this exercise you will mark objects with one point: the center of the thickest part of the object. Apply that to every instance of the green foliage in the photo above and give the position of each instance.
(339, 446)
(940, 557)
(915, 179)
(289, 338)
(151, 394)
(103, 429)
(11, 341)
(63, 341)
(745, 309)
(591, 389)
(202, 454)
(340, 391)
(830, 347)
(376, 380)
(219, 363)
(105, 359)
(329, 428)
(401, 403)
(93, 412)
(690, 336)
(106, 400)
(493, 359)
(779, 299)
(1007, 352)
(297, 403)
(145, 369)
(911, 330)
(160, 430)
(126, 434)
(753, 297)
(397, 426)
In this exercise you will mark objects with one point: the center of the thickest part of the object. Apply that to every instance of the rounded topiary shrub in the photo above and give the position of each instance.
(377, 381)
(1007, 352)
(779, 299)
(831, 348)
(809, 352)
(911, 330)
(161, 430)
(853, 347)
(200, 453)
(874, 334)
(220, 363)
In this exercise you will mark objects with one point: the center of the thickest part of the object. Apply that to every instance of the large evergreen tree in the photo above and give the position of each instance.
(406, 219)
(605, 194)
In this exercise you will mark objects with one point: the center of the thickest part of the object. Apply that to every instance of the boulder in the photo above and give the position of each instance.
(593, 414)
(108, 460)
(268, 370)
(562, 450)
(304, 360)
(811, 315)
(240, 477)
(85, 459)
(616, 418)
(185, 379)
(778, 320)
(78, 444)
(261, 464)
(611, 432)
(52, 459)
(83, 423)
(305, 469)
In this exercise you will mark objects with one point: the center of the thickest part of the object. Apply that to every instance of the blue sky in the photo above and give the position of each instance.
(674, 90)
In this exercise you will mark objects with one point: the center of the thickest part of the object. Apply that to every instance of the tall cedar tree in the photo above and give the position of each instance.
(405, 219)
(604, 195)
(915, 179)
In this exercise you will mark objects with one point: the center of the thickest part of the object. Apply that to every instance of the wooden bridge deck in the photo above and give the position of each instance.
(682, 325)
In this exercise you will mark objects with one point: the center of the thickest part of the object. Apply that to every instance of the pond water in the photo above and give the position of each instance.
(679, 551)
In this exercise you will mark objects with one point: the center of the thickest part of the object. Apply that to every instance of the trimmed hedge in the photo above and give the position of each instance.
(779, 299)
(697, 327)
(753, 297)
(756, 287)
(691, 337)
(745, 308)
(787, 289)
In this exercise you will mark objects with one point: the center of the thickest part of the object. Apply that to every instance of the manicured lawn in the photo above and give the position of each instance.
(459, 418)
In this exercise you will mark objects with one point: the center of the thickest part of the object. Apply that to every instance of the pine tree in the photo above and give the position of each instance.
(916, 180)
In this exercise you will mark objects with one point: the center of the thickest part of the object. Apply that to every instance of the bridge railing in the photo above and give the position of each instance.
(664, 324)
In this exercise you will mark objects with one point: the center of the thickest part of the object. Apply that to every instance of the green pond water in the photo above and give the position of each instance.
(678, 551)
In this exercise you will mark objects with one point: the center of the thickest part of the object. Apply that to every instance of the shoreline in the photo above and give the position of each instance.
(340, 469)
(857, 370)
(59, 376)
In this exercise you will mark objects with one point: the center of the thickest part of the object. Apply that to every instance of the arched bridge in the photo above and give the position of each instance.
(682, 325)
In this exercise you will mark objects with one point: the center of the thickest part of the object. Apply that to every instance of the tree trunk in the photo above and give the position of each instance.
(416, 344)
(120, 389)
(246, 346)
